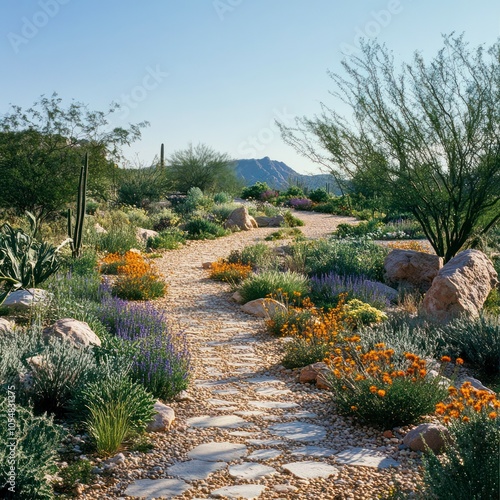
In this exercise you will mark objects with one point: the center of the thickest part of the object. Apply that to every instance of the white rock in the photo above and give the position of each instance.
(77, 332)
(264, 308)
(162, 419)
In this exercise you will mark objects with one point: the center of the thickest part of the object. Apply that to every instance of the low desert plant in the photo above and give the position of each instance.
(326, 289)
(76, 473)
(284, 233)
(259, 256)
(271, 282)
(139, 287)
(358, 314)
(168, 239)
(369, 387)
(118, 239)
(291, 220)
(299, 353)
(229, 272)
(468, 467)
(29, 447)
(202, 229)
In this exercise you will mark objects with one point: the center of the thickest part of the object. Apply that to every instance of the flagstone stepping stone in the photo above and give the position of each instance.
(314, 451)
(299, 431)
(243, 433)
(232, 409)
(242, 347)
(250, 413)
(245, 365)
(265, 454)
(264, 379)
(300, 414)
(311, 470)
(272, 404)
(251, 471)
(246, 491)
(219, 402)
(273, 418)
(365, 457)
(224, 421)
(154, 488)
(272, 391)
(224, 392)
(265, 442)
(218, 451)
(194, 470)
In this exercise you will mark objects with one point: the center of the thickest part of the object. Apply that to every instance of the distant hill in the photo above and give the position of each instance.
(280, 176)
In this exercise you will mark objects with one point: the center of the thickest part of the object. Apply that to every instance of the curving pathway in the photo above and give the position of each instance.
(246, 428)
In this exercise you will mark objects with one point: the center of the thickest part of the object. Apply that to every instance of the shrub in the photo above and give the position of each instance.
(118, 239)
(417, 246)
(117, 408)
(147, 286)
(291, 220)
(221, 198)
(299, 353)
(168, 239)
(300, 203)
(340, 205)
(468, 468)
(161, 360)
(36, 442)
(138, 217)
(343, 257)
(367, 385)
(477, 340)
(259, 256)
(370, 229)
(229, 272)
(164, 219)
(76, 473)
(286, 232)
(202, 229)
(220, 213)
(270, 282)
(84, 265)
(492, 303)
(319, 195)
(358, 313)
(254, 192)
(325, 290)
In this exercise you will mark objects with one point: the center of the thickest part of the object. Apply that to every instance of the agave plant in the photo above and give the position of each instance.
(24, 261)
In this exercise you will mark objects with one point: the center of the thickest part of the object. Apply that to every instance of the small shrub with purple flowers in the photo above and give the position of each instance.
(300, 203)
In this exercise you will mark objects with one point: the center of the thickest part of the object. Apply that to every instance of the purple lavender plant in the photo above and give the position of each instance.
(326, 288)
(300, 203)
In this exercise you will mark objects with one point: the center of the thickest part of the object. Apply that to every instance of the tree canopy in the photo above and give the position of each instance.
(202, 167)
(42, 149)
(430, 132)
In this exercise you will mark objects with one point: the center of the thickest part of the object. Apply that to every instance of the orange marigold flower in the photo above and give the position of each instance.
(465, 419)
(381, 393)
(493, 415)
(459, 361)
(445, 359)
(373, 389)
(354, 408)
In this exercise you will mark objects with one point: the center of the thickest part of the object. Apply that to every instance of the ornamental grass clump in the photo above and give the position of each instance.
(376, 389)
(230, 272)
(468, 469)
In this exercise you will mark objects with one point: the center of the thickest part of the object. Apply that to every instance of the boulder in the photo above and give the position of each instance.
(461, 287)
(477, 384)
(22, 300)
(276, 221)
(237, 297)
(143, 235)
(162, 419)
(433, 435)
(408, 267)
(99, 229)
(6, 326)
(316, 373)
(264, 308)
(239, 219)
(391, 294)
(74, 331)
(206, 265)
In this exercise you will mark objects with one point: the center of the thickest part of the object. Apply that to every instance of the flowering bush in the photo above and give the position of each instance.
(300, 203)
(358, 313)
(268, 195)
(409, 245)
(468, 468)
(372, 388)
(231, 272)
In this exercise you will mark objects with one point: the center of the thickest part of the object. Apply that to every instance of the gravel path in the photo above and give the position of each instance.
(262, 434)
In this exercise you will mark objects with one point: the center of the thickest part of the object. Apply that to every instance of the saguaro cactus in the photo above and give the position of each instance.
(162, 156)
(81, 202)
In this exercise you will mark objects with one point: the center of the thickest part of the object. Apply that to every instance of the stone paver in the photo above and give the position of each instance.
(193, 470)
(246, 491)
(313, 451)
(272, 404)
(218, 451)
(224, 421)
(311, 470)
(154, 488)
(251, 471)
(265, 454)
(366, 458)
(299, 431)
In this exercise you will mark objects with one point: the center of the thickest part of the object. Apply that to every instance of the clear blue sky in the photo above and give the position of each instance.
(212, 71)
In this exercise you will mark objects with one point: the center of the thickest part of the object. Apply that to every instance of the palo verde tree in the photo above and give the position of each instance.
(202, 167)
(41, 152)
(430, 130)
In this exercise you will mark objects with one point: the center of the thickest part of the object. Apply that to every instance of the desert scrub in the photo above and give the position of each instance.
(358, 314)
(417, 246)
(202, 229)
(293, 319)
(229, 272)
(36, 440)
(284, 233)
(259, 256)
(343, 257)
(168, 239)
(477, 340)
(267, 283)
(325, 290)
(468, 467)
(370, 387)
